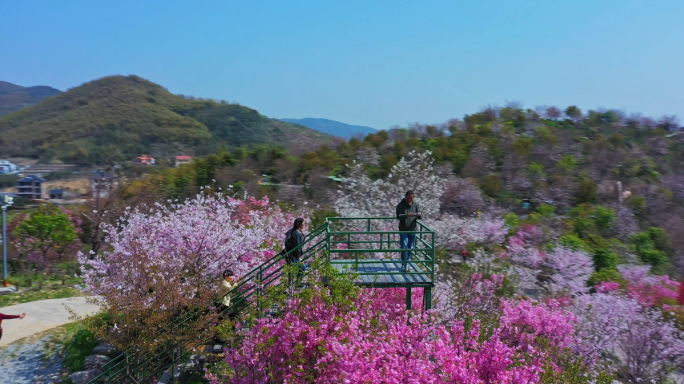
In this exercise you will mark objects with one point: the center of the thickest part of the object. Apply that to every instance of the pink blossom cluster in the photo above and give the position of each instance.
(185, 245)
(648, 289)
(474, 296)
(378, 341)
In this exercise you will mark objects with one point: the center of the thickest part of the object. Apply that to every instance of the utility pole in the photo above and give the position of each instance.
(6, 202)
(619, 192)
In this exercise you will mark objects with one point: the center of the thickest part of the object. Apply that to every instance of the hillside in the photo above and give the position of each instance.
(511, 160)
(15, 97)
(332, 127)
(121, 117)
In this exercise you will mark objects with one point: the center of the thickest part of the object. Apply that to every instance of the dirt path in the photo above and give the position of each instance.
(42, 315)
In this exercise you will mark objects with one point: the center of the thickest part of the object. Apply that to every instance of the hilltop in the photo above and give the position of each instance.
(332, 127)
(15, 97)
(124, 116)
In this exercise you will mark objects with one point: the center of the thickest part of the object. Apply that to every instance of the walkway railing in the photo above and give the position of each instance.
(360, 242)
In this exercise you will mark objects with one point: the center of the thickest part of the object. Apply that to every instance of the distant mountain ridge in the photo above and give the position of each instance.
(15, 97)
(332, 127)
(121, 117)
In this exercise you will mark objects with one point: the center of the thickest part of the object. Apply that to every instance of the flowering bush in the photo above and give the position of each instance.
(328, 336)
(649, 289)
(571, 269)
(159, 265)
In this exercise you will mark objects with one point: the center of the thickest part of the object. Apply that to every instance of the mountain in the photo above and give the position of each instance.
(332, 127)
(121, 117)
(15, 97)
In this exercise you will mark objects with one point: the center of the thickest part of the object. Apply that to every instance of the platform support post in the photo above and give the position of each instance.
(428, 298)
(408, 298)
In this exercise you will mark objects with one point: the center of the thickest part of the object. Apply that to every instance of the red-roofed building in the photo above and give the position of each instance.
(180, 160)
(144, 160)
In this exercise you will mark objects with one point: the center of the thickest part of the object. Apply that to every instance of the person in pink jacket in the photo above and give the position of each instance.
(7, 317)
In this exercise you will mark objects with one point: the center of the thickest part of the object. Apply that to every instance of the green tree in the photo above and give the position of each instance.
(587, 192)
(45, 234)
(491, 185)
(573, 112)
(567, 163)
(653, 246)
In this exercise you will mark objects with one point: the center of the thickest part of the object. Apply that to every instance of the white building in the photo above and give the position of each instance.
(8, 168)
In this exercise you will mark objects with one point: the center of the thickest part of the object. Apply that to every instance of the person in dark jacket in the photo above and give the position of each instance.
(293, 238)
(7, 317)
(408, 213)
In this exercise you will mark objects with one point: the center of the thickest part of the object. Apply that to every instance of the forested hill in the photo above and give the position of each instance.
(332, 127)
(15, 97)
(122, 117)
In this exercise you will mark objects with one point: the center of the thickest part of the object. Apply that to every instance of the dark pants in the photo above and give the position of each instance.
(295, 260)
(408, 241)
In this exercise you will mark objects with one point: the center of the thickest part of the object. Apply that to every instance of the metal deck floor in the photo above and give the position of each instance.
(396, 277)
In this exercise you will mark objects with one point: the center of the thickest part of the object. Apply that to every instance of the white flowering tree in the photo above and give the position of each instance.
(359, 196)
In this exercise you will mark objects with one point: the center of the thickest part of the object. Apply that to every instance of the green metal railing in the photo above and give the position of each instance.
(382, 245)
(367, 241)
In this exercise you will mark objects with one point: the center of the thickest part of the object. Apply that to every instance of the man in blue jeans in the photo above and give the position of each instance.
(408, 213)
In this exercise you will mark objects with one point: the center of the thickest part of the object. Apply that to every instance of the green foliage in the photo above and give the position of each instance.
(573, 242)
(318, 217)
(535, 169)
(589, 219)
(587, 192)
(491, 185)
(79, 347)
(639, 207)
(653, 246)
(512, 221)
(605, 275)
(603, 254)
(545, 210)
(46, 229)
(8, 181)
(573, 112)
(567, 163)
(523, 145)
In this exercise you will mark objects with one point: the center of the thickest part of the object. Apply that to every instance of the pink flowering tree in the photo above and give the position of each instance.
(159, 264)
(525, 260)
(649, 289)
(571, 270)
(345, 334)
(640, 344)
(467, 296)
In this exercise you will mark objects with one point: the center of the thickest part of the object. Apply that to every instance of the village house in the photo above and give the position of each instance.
(180, 160)
(144, 159)
(8, 168)
(31, 187)
(102, 183)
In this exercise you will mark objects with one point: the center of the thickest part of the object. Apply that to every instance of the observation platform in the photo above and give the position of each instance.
(371, 249)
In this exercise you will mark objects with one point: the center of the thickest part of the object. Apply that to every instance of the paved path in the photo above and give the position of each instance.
(42, 315)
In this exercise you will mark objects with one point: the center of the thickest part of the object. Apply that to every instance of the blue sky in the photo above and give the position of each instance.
(375, 63)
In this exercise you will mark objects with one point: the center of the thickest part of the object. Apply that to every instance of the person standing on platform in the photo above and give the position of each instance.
(408, 214)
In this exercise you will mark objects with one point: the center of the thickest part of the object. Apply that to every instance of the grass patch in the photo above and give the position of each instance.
(79, 345)
(25, 296)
